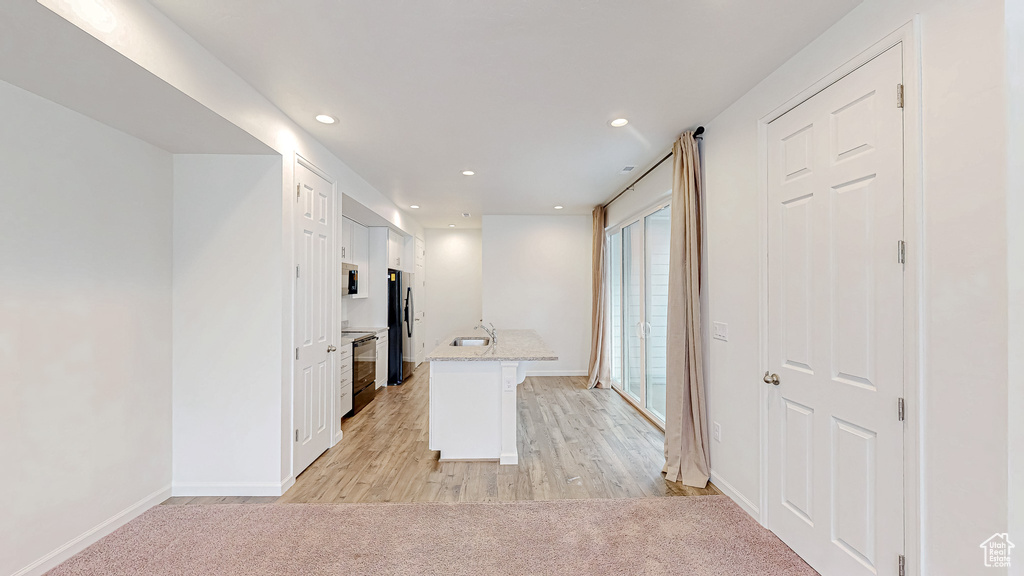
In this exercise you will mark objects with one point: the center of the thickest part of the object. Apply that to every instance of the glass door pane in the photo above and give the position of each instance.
(657, 228)
(633, 313)
(615, 304)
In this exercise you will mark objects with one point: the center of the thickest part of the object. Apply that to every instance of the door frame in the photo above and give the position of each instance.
(620, 226)
(335, 432)
(909, 36)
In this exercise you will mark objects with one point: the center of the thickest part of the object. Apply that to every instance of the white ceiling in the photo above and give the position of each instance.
(48, 56)
(519, 91)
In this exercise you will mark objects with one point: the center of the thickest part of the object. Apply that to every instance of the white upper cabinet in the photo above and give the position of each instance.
(355, 247)
(346, 240)
(396, 250)
(361, 256)
(421, 252)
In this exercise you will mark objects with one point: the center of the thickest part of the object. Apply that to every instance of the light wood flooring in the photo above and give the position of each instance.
(573, 443)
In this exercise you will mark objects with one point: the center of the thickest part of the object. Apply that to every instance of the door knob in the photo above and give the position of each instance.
(771, 379)
(331, 348)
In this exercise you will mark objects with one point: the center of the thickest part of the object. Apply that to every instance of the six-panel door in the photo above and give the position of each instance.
(314, 312)
(835, 323)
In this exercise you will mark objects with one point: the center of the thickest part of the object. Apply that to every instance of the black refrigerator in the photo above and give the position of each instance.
(401, 323)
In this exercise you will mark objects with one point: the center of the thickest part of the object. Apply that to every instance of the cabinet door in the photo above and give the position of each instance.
(421, 253)
(346, 239)
(360, 247)
(396, 245)
(346, 400)
(381, 379)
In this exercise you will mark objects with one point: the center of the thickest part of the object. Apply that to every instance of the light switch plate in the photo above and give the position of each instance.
(717, 432)
(720, 331)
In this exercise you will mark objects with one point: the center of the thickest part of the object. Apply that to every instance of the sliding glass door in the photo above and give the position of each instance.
(633, 309)
(638, 295)
(656, 242)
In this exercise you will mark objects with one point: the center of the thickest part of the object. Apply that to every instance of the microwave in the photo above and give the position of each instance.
(349, 279)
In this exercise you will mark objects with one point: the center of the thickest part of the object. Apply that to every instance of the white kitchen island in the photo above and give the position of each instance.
(473, 394)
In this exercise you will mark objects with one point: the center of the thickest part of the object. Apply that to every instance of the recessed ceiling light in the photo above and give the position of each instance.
(619, 122)
(468, 172)
(451, 225)
(558, 207)
(325, 119)
(414, 206)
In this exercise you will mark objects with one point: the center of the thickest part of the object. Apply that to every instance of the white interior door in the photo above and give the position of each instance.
(835, 323)
(314, 316)
(419, 296)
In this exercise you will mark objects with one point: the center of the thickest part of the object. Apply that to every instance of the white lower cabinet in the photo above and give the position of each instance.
(381, 379)
(345, 372)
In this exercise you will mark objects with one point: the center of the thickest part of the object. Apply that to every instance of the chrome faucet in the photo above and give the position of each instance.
(493, 332)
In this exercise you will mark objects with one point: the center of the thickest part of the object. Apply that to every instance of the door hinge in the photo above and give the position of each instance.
(899, 95)
(298, 191)
(296, 353)
(296, 434)
(903, 565)
(901, 252)
(296, 271)
(901, 410)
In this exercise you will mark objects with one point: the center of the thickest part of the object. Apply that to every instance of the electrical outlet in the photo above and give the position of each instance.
(718, 432)
(720, 331)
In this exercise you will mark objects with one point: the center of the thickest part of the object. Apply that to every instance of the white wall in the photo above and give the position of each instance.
(144, 35)
(226, 318)
(372, 311)
(963, 491)
(537, 275)
(85, 329)
(1015, 268)
(147, 37)
(644, 194)
(454, 290)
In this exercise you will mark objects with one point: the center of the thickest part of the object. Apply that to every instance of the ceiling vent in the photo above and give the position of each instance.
(627, 169)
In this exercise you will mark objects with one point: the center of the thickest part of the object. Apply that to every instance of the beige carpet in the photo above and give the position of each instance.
(696, 536)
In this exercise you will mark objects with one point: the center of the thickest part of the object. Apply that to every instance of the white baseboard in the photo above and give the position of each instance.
(92, 535)
(231, 488)
(737, 496)
(287, 483)
(531, 373)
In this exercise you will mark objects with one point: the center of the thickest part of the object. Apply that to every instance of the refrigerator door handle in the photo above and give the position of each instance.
(408, 311)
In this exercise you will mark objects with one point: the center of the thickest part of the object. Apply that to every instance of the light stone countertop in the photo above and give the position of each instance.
(376, 330)
(346, 340)
(513, 345)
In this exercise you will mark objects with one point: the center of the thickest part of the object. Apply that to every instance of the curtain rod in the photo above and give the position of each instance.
(696, 134)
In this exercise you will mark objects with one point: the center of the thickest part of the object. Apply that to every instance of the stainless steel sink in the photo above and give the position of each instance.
(471, 341)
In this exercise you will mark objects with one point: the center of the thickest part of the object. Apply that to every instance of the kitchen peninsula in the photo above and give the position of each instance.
(473, 383)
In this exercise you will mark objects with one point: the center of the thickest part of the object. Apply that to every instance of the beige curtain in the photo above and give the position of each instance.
(686, 428)
(599, 370)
